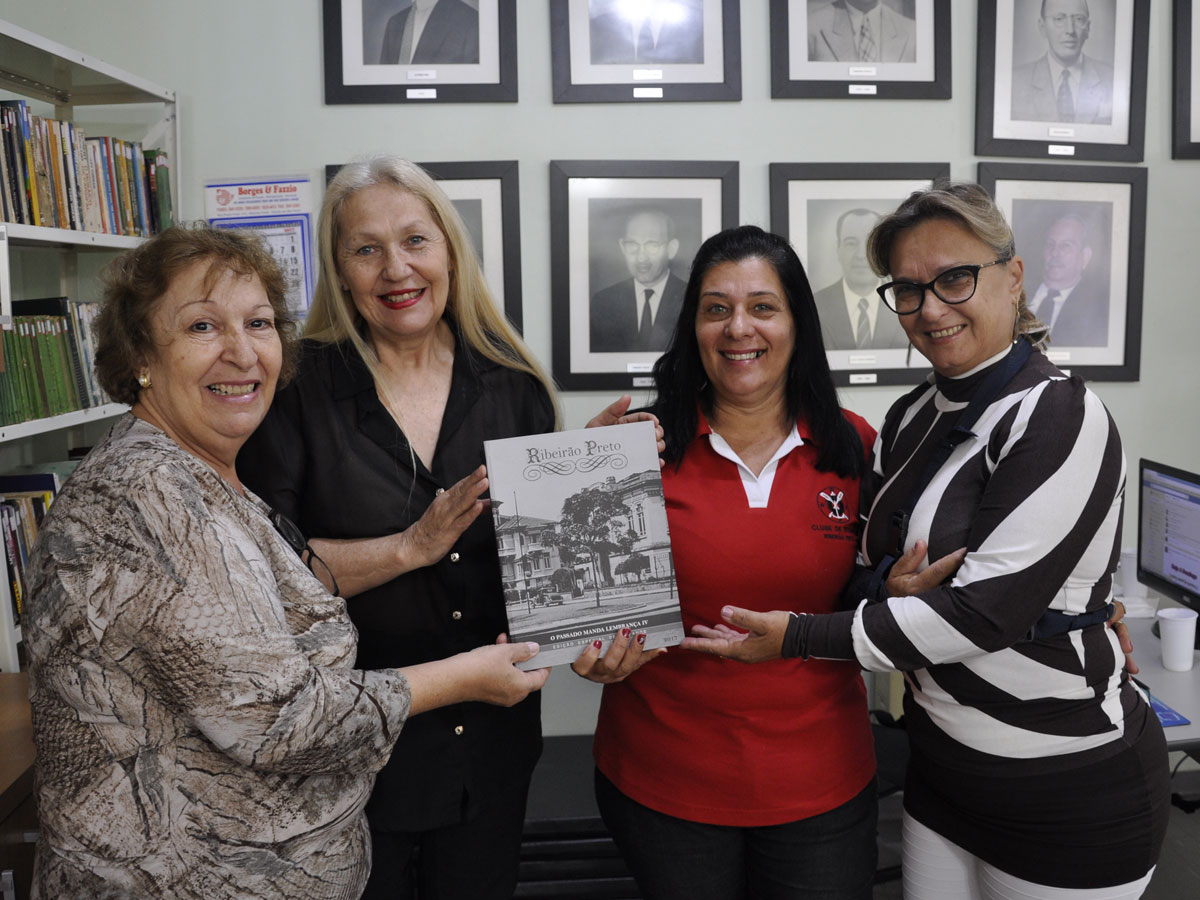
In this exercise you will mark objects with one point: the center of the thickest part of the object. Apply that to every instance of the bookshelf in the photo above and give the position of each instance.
(35, 261)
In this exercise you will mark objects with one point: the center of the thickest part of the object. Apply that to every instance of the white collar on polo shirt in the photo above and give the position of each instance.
(757, 487)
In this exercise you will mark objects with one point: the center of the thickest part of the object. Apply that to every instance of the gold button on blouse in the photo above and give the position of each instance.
(456, 615)
(454, 557)
(458, 729)
(439, 492)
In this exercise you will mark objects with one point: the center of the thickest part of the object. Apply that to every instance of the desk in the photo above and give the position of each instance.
(1179, 690)
(17, 815)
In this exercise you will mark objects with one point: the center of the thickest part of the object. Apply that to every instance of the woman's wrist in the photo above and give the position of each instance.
(408, 552)
(795, 639)
(827, 636)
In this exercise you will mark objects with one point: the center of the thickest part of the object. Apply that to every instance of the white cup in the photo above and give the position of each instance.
(1177, 633)
(1127, 583)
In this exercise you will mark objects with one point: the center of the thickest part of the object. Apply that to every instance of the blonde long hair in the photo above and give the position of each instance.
(968, 205)
(333, 317)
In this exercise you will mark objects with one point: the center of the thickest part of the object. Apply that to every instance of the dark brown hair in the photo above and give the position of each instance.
(136, 281)
(683, 388)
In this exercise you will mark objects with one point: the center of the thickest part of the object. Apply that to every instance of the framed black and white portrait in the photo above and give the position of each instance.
(486, 197)
(1185, 32)
(1062, 78)
(623, 235)
(420, 51)
(1078, 231)
(885, 49)
(826, 211)
(605, 51)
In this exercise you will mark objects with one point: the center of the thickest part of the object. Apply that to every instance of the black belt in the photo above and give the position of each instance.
(1053, 623)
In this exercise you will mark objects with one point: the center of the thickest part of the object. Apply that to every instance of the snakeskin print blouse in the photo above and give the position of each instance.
(200, 731)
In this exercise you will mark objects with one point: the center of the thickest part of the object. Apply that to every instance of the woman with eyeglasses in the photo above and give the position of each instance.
(201, 731)
(1038, 770)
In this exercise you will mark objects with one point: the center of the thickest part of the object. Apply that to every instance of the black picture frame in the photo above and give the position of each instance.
(593, 206)
(1015, 112)
(710, 54)
(1107, 207)
(811, 205)
(838, 73)
(496, 222)
(351, 78)
(1185, 130)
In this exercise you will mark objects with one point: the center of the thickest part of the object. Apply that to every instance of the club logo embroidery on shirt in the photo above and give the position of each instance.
(831, 502)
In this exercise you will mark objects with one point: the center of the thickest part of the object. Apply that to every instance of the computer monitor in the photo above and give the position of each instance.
(1168, 548)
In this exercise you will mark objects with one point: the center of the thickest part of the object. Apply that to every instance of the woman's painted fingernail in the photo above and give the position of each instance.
(597, 644)
(625, 632)
(641, 639)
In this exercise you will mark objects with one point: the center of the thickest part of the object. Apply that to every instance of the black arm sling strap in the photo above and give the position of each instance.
(1052, 622)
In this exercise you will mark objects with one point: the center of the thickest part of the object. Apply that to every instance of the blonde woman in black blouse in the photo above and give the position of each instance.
(376, 451)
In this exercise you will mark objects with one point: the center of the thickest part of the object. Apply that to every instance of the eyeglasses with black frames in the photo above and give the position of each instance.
(294, 538)
(956, 285)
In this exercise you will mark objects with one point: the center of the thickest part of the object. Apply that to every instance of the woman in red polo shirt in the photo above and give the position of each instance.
(719, 780)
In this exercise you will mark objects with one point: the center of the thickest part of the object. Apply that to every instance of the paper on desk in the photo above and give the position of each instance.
(1138, 607)
(1166, 715)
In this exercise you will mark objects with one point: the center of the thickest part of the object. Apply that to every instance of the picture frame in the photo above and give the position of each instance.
(1185, 131)
(1066, 220)
(466, 52)
(596, 56)
(619, 228)
(815, 53)
(486, 195)
(826, 211)
(1101, 115)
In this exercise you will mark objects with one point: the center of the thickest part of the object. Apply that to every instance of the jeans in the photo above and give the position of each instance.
(830, 856)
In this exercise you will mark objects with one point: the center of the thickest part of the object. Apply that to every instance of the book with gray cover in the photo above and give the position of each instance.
(585, 551)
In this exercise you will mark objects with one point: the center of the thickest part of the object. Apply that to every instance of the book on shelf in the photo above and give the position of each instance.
(19, 150)
(584, 547)
(46, 167)
(53, 174)
(8, 212)
(70, 178)
(72, 356)
(121, 165)
(95, 183)
(23, 512)
(50, 351)
(25, 496)
(9, 525)
(89, 196)
(141, 176)
(108, 173)
(162, 192)
(83, 315)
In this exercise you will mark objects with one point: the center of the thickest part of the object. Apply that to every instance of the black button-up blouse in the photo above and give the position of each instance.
(330, 457)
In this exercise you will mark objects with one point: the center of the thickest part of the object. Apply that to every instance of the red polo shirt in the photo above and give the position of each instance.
(715, 741)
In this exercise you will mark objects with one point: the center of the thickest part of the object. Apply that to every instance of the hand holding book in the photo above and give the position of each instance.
(584, 544)
(623, 657)
(616, 413)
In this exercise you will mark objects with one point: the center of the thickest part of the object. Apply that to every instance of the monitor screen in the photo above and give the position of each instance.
(1168, 553)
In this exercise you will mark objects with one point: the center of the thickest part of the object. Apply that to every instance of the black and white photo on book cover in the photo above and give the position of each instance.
(584, 548)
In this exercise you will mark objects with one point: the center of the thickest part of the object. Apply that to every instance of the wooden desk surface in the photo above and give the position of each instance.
(16, 742)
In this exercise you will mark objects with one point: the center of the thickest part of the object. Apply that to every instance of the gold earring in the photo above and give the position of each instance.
(144, 380)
